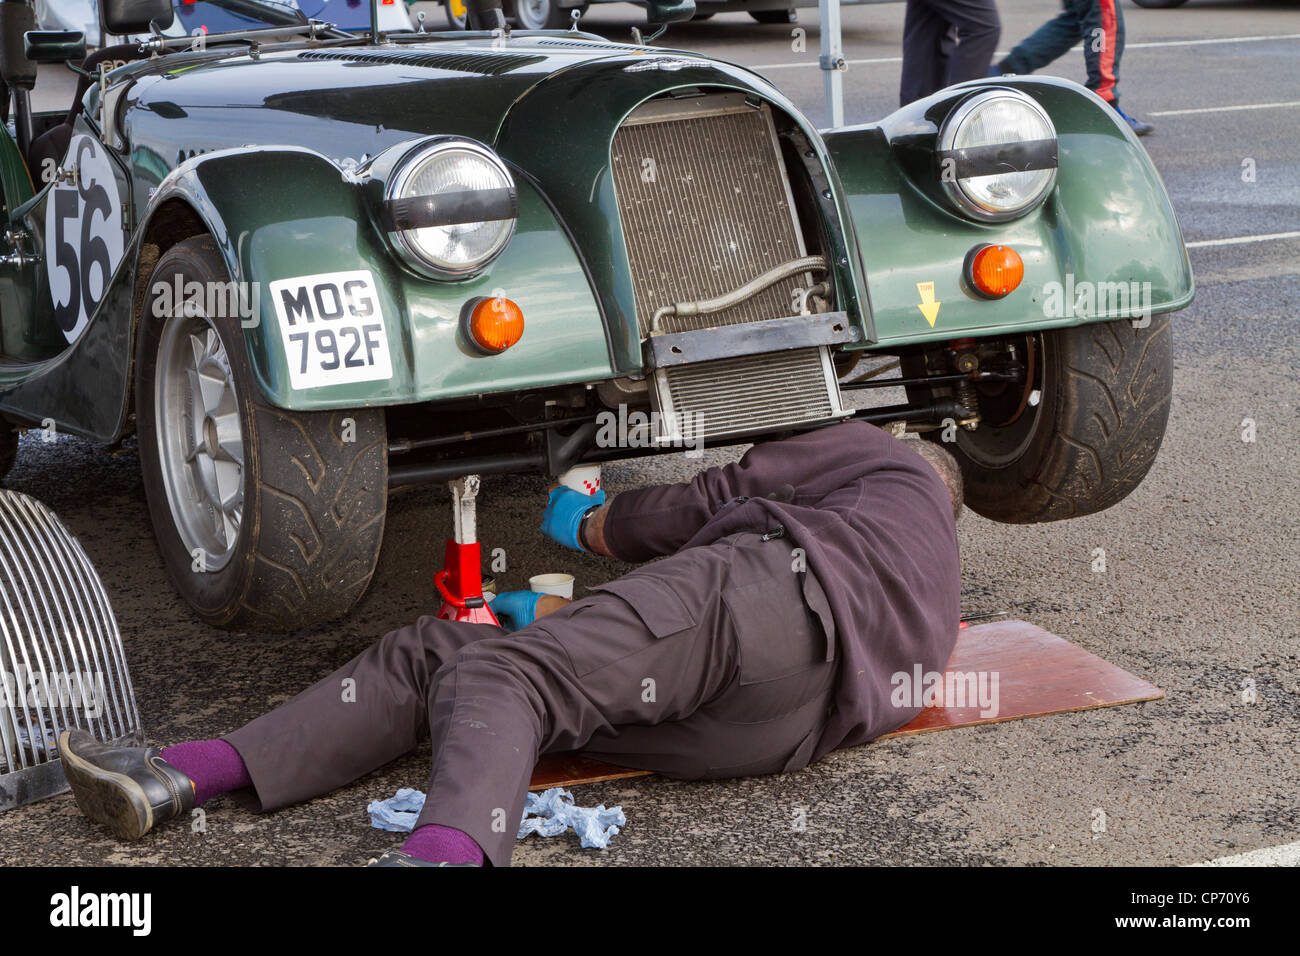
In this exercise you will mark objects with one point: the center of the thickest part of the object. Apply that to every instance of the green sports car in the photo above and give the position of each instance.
(304, 266)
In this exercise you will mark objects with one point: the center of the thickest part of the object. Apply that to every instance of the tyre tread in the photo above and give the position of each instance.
(315, 503)
(335, 514)
(1111, 409)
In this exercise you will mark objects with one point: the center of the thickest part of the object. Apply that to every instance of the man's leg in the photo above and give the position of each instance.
(978, 30)
(367, 713)
(770, 717)
(1049, 42)
(923, 65)
(1102, 25)
(645, 654)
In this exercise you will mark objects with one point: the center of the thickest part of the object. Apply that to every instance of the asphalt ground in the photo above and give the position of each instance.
(1200, 594)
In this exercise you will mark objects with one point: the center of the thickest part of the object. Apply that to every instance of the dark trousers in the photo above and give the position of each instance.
(1098, 24)
(707, 663)
(946, 42)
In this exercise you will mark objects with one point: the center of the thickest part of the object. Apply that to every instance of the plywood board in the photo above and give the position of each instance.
(1037, 672)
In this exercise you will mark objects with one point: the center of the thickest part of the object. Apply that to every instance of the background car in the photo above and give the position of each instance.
(558, 14)
(224, 16)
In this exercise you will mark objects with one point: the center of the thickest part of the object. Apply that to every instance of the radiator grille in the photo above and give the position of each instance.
(732, 397)
(705, 208)
(61, 659)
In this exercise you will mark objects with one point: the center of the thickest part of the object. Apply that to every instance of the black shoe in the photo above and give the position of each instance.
(398, 858)
(127, 789)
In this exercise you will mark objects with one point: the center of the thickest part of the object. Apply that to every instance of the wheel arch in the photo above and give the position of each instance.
(1108, 222)
(173, 221)
(304, 218)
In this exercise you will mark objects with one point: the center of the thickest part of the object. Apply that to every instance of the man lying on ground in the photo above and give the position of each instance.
(795, 583)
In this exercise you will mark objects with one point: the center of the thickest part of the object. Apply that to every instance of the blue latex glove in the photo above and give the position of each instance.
(515, 609)
(564, 511)
(548, 814)
(552, 813)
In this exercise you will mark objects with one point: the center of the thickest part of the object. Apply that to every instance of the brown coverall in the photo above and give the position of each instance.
(766, 639)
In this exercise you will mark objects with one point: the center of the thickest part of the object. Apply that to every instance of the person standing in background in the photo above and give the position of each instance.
(1100, 25)
(946, 42)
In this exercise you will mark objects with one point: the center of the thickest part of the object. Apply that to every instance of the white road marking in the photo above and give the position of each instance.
(1207, 40)
(1243, 240)
(1226, 109)
(1150, 44)
(1286, 855)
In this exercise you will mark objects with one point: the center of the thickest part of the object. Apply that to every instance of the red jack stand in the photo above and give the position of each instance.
(460, 582)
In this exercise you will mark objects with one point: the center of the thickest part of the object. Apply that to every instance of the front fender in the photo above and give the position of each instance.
(306, 217)
(1107, 220)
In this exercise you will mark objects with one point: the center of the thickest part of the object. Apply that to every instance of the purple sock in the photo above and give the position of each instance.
(442, 845)
(213, 765)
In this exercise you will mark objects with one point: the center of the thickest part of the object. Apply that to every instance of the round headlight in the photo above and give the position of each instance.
(452, 207)
(997, 155)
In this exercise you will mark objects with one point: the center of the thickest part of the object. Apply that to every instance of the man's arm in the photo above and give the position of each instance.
(647, 522)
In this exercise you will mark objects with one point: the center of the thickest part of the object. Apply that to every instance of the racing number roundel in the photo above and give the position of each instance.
(83, 235)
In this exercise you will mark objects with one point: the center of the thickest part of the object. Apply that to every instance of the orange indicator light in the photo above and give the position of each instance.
(995, 271)
(495, 324)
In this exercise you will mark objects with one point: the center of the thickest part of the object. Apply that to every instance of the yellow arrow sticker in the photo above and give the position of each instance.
(929, 308)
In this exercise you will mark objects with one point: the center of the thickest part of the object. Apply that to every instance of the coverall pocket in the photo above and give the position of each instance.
(619, 619)
(777, 635)
(656, 603)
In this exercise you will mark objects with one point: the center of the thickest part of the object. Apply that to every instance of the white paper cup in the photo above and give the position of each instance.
(561, 585)
(584, 479)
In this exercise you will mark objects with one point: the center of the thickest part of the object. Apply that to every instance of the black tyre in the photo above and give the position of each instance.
(775, 16)
(539, 14)
(702, 16)
(8, 447)
(1103, 401)
(1159, 4)
(266, 519)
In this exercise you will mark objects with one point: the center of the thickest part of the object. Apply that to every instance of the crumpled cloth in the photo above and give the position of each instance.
(554, 812)
(547, 815)
(397, 814)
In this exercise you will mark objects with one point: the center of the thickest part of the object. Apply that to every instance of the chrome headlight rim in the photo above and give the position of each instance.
(405, 168)
(948, 133)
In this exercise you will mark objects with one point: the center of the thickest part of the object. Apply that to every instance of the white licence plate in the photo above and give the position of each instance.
(332, 329)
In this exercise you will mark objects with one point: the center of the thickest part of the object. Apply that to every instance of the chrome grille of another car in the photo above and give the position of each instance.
(706, 207)
(62, 664)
